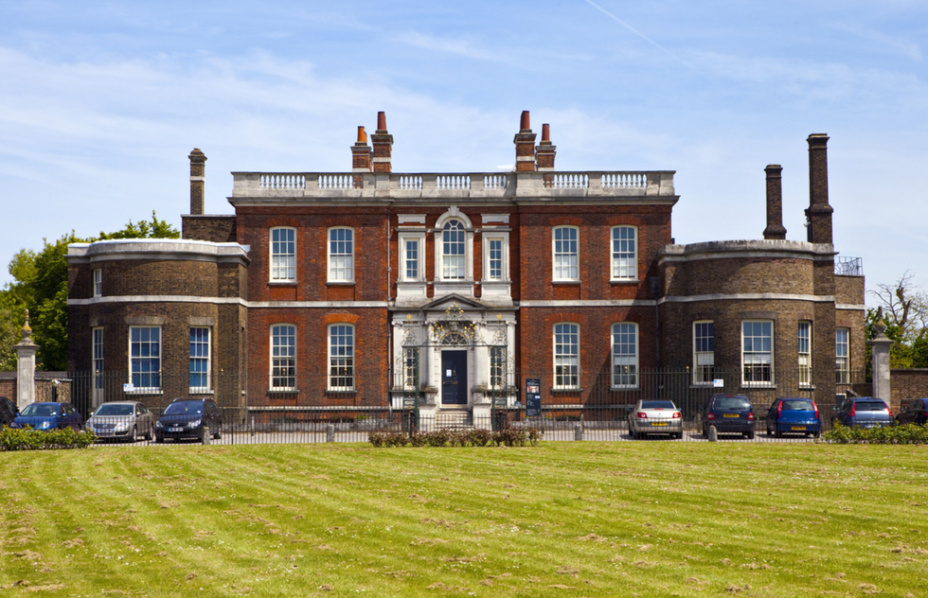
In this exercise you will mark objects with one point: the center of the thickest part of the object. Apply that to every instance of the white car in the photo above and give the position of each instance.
(122, 421)
(655, 417)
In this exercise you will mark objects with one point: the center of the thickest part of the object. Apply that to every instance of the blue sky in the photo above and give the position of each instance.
(100, 103)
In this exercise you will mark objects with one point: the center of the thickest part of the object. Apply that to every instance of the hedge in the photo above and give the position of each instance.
(27, 439)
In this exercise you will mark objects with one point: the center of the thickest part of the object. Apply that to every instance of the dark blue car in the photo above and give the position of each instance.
(793, 415)
(49, 416)
(864, 412)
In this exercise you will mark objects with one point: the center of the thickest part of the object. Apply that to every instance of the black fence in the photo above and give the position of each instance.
(596, 407)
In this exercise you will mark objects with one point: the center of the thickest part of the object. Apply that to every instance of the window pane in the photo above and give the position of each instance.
(283, 254)
(566, 257)
(624, 253)
(625, 354)
(341, 357)
(341, 254)
(283, 356)
(566, 356)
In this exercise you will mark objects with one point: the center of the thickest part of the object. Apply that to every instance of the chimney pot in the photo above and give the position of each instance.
(525, 146)
(546, 133)
(775, 229)
(197, 180)
(362, 134)
(525, 126)
(382, 141)
(382, 121)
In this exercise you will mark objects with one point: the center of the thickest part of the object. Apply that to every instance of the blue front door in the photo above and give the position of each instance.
(454, 377)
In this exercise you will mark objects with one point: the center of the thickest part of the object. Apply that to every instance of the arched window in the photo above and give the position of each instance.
(453, 251)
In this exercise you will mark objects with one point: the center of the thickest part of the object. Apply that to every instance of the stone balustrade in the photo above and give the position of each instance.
(540, 185)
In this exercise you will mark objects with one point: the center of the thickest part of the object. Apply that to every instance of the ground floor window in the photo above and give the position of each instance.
(283, 357)
(703, 352)
(757, 352)
(199, 359)
(624, 355)
(341, 357)
(145, 357)
(566, 355)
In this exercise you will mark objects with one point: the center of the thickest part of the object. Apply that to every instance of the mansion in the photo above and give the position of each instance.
(327, 293)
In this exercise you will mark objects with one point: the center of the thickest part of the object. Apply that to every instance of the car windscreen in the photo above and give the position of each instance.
(114, 410)
(797, 405)
(193, 407)
(40, 410)
(657, 405)
(732, 403)
(871, 406)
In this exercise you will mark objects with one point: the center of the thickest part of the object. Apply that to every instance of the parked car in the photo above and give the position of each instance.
(730, 414)
(793, 415)
(655, 417)
(49, 416)
(189, 418)
(863, 412)
(122, 421)
(915, 412)
(8, 412)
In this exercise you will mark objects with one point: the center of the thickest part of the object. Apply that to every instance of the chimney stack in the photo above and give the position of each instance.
(383, 145)
(525, 146)
(545, 152)
(361, 153)
(775, 229)
(197, 181)
(818, 215)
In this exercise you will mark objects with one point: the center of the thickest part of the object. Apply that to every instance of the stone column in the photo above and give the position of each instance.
(880, 346)
(25, 367)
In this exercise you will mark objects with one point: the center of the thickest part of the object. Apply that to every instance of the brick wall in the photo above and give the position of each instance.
(908, 384)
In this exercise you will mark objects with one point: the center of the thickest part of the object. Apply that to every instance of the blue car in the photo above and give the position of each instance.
(793, 415)
(49, 416)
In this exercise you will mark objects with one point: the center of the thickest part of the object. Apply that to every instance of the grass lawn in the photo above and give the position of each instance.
(558, 519)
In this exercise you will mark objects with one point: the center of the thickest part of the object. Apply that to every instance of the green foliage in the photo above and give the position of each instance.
(26, 439)
(446, 437)
(41, 286)
(907, 434)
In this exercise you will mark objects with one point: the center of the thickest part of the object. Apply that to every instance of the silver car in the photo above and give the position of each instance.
(655, 417)
(125, 420)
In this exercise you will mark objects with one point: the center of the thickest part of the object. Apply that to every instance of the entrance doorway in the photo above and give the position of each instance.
(454, 377)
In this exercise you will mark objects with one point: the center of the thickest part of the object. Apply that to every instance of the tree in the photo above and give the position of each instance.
(41, 286)
(904, 310)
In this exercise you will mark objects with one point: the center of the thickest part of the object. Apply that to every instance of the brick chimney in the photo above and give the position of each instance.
(383, 145)
(197, 181)
(544, 153)
(361, 153)
(818, 215)
(525, 146)
(775, 229)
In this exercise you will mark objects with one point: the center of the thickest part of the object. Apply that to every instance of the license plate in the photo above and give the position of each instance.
(730, 415)
(175, 429)
(798, 428)
(659, 424)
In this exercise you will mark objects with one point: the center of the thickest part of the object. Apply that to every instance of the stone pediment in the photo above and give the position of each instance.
(445, 301)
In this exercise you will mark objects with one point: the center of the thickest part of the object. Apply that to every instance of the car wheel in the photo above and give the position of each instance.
(778, 433)
(159, 438)
(817, 434)
(218, 433)
(749, 435)
(769, 431)
(148, 434)
(133, 435)
(679, 435)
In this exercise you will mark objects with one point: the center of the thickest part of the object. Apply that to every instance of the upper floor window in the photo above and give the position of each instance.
(145, 356)
(199, 359)
(412, 259)
(842, 355)
(341, 255)
(566, 253)
(566, 355)
(757, 352)
(804, 349)
(283, 254)
(98, 283)
(283, 357)
(703, 352)
(341, 357)
(624, 253)
(454, 252)
(625, 355)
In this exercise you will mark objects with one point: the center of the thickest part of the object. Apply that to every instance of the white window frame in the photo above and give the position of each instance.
(498, 360)
(757, 353)
(804, 352)
(411, 367)
(404, 240)
(624, 260)
(565, 261)
(703, 353)
(566, 338)
(282, 357)
(98, 282)
(625, 355)
(501, 263)
(453, 265)
(341, 245)
(341, 369)
(453, 215)
(201, 358)
(145, 358)
(282, 254)
(842, 355)
(98, 363)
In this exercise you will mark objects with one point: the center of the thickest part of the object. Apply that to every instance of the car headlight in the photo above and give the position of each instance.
(122, 426)
(158, 424)
(194, 424)
(45, 425)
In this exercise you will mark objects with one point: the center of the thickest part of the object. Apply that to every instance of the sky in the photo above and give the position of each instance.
(101, 102)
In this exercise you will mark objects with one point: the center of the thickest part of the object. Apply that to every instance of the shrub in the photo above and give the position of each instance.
(25, 439)
(908, 434)
(446, 437)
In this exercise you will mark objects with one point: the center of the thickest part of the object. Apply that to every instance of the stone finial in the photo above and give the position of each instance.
(27, 330)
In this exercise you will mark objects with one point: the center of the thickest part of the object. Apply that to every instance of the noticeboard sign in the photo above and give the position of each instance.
(533, 397)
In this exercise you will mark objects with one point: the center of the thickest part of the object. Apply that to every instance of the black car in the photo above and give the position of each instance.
(863, 412)
(189, 418)
(915, 412)
(730, 414)
(8, 411)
